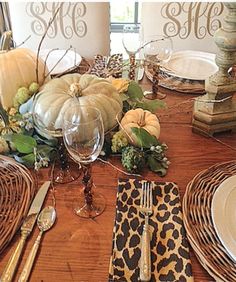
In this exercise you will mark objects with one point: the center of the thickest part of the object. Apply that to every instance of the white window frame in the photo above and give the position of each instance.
(118, 26)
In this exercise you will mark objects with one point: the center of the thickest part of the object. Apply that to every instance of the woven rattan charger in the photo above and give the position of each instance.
(172, 82)
(198, 222)
(17, 188)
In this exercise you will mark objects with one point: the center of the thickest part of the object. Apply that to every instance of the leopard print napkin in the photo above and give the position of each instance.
(169, 247)
(104, 66)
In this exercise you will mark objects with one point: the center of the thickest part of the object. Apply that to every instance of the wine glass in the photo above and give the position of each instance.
(131, 39)
(157, 49)
(83, 134)
(48, 123)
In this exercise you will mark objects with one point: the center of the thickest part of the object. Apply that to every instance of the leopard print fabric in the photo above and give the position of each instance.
(169, 247)
(107, 66)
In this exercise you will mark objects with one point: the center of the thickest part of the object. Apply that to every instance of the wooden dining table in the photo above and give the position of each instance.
(78, 249)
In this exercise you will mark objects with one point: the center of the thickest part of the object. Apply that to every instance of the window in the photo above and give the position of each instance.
(121, 13)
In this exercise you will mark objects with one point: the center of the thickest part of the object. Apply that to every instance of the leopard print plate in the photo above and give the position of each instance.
(169, 247)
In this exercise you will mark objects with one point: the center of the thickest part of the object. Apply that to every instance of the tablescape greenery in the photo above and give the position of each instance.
(138, 147)
(18, 137)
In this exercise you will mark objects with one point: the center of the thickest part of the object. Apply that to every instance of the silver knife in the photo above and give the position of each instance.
(26, 229)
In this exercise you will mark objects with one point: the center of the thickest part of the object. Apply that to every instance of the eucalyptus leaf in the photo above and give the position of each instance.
(27, 160)
(51, 142)
(134, 91)
(150, 105)
(24, 144)
(144, 138)
(44, 150)
(156, 166)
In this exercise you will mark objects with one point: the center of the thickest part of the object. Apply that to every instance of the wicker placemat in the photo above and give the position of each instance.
(17, 188)
(176, 83)
(198, 222)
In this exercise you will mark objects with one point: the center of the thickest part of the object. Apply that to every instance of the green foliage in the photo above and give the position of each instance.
(22, 95)
(151, 105)
(156, 166)
(43, 151)
(24, 144)
(152, 153)
(33, 88)
(135, 92)
(132, 159)
(144, 138)
(119, 140)
(134, 98)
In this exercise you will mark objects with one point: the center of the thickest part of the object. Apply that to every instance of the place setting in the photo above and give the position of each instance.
(209, 216)
(149, 240)
(45, 220)
(94, 184)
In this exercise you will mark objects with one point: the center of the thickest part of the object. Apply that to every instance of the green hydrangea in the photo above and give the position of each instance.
(119, 141)
(33, 88)
(133, 159)
(22, 95)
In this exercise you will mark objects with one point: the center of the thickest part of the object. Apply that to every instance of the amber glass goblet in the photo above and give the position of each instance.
(83, 134)
(157, 49)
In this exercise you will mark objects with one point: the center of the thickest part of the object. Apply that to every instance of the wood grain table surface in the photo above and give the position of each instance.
(77, 249)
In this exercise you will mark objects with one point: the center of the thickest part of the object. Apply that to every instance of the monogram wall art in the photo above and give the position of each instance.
(197, 19)
(190, 24)
(77, 24)
(68, 22)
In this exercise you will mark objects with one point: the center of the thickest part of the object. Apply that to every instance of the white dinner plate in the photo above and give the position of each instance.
(224, 214)
(192, 65)
(67, 60)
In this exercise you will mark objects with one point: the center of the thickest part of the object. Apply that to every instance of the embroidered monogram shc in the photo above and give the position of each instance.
(68, 21)
(198, 19)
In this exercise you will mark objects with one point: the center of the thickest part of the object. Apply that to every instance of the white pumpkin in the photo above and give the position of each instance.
(140, 118)
(59, 94)
(17, 69)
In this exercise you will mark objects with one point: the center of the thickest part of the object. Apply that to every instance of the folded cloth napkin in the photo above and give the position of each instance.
(170, 258)
(104, 66)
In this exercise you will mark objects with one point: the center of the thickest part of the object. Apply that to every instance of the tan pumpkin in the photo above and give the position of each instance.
(59, 94)
(17, 69)
(141, 119)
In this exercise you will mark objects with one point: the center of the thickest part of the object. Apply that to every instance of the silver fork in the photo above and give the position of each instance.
(146, 210)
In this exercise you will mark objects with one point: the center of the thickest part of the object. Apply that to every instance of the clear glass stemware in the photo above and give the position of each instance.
(131, 39)
(157, 49)
(83, 134)
(47, 120)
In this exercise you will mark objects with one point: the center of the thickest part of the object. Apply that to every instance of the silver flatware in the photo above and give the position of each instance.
(146, 210)
(45, 221)
(26, 229)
